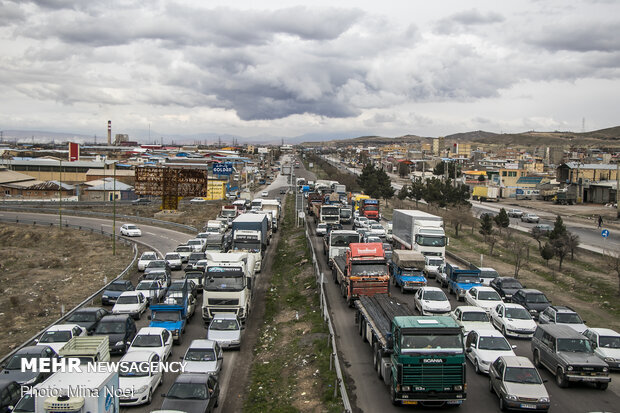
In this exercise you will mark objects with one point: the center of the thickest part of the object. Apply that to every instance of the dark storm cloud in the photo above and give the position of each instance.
(579, 36)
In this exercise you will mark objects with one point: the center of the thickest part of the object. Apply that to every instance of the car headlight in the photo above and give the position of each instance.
(104, 296)
(119, 343)
(458, 387)
(569, 368)
(405, 388)
(610, 359)
(605, 369)
(533, 311)
(32, 380)
(511, 397)
(142, 389)
(543, 400)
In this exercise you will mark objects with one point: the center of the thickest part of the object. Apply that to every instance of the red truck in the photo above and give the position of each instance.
(369, 208)
(361, 271)
(314, 199)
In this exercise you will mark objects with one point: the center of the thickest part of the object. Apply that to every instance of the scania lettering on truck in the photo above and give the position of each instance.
(338, 242)
(228, 286)
(420, 358)
(419, 231)
(361, 271)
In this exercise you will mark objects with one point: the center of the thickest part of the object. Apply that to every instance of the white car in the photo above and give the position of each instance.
(156, 339)
(204, 356)
(432, 265)
(361, 222)
(376, 229)
(483, 347)
(530, 218)
(225, 328)
(513, 320)
(131, 302)
(197, 201)
(471, 318)
(321, 229)
(145, 259)
(137, 386)
(483, 297)
(153, 290)
(57, 336)
(431, 301)
(198, 244)
(442, 275)
(264, 194)
(606, 344)
(174, 260)
(487, 274)
(388, 231)
(130, 230)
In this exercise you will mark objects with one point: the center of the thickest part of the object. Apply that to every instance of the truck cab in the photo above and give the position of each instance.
(338, 242)
(461, 280)
(346, 215)
(370, 209)
(432, 266)
(172, 317)
(407, 270)
(363, 270)
(229, 212)
(215, 227)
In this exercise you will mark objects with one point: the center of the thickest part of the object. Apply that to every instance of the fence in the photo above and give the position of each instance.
(87, 300)
(325, 311)
(152, 221)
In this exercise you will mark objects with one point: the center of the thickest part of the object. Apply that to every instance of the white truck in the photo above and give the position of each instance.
(338, 242)
(274, 206)
(215, 227)
(75, 392)
(419, 231)
(228, 285)
(88, 349)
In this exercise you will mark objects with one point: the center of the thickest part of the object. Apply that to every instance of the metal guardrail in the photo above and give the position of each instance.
(152, 221)
(326, 316)
(87, 300)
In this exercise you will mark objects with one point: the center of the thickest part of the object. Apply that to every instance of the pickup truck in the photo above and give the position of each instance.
(171, 317)
(89, 349)
(461, 280)
(361, 271)
(407, 270)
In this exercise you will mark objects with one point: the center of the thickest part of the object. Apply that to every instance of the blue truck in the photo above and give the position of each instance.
(461, 280)
(172, 317)
(407, 270)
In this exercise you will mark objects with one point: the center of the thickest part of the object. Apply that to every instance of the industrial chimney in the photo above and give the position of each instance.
(109, 133)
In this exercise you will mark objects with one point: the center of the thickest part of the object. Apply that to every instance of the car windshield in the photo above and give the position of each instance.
(148, 285)
(196, 391)
(432, 343)
(513, 285)
(184, 249)
(467, 279)
(493, 343)
(488, 274)
(195, 256)
(117, 287)
(199, 354)
(166, 316)
(489, 296)
(15, 363)
(526, 375)
(342, 240)
(431, 241)
(225, 282)
(25, 404)
(131, 227)
(127, 299)
(173, 256)
(147, 340)
(219, 324)
(368, 269)
(568, 318)
(377, 226)
(82, 317)
(518, 313)
(148, 256)
(111, 328)
(156, 264)
(475, 316)
(55, 337)
(574, 345)
(134, 369)
(609, 341)
(433, 295)
(435, 263)
(536, 298)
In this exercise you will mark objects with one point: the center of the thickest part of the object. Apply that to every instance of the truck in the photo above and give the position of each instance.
(370, 209)
(419, 231)
(88, 349)
(77, 392)
(420, 358)
(346, 215)
(362, 270)
(214, 227)
(314, 198)
(253, 222)
(286, 169)
(485, 193)
(340, 189)
(407, 270)
(357, 199)
(257, 204)
(460, 280)
(329, 214)
(432, 265)
(228, 285)
(172, 317)
(229, 212)
(337, 243)
(274, 206)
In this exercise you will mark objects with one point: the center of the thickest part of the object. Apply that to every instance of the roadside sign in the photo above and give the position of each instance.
(222, 168)
(605, 233)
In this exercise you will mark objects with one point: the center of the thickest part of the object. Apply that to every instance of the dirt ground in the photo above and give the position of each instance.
(43, 269)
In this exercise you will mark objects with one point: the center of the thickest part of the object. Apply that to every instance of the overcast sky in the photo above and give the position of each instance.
(288, 68)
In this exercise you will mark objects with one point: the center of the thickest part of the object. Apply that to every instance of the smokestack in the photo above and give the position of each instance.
(109, 133)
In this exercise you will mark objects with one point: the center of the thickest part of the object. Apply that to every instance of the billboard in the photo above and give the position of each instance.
(74, 152)
(222, 168)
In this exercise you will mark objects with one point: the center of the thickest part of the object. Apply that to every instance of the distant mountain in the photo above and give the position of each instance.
(472, 136)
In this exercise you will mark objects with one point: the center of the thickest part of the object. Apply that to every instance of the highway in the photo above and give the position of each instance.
(164, 240)
(368, 394)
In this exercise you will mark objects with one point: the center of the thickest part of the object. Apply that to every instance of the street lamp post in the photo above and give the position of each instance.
(114, 211)
(60, 196)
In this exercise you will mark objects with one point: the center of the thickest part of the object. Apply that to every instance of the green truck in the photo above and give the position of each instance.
(421, 359)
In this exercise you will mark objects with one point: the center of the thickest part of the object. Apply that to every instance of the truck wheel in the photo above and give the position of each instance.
(560, 379)
(378, 363)
(393, 393)
(180, 339)
(343, 290)
(360, 329)
(602, 386)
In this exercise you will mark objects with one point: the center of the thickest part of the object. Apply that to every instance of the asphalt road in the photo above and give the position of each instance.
(165, 240)
(368, 394)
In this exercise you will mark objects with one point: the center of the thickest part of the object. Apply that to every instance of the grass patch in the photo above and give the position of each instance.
(290, 371)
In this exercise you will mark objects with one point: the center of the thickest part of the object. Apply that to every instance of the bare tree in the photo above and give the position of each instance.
(518, 248)
(492, 240)
(572, 241)
(561, 249)
(612, 262)
(538, 235)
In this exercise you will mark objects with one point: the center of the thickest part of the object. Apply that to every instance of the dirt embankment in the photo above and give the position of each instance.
(44, 269)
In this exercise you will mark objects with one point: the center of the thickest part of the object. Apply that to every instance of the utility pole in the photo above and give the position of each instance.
(60, 195)
(618, 190)
(114, 211)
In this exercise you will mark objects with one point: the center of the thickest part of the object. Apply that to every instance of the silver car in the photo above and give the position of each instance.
(530, 218)
(518, 385)
(225, 329)
(204, 356)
